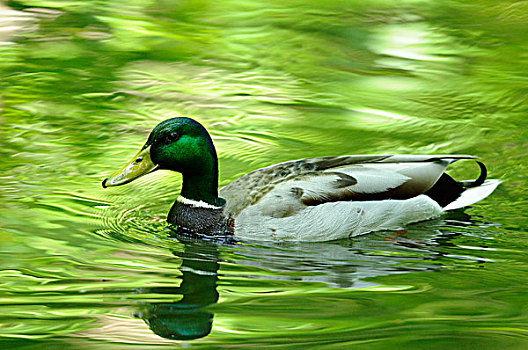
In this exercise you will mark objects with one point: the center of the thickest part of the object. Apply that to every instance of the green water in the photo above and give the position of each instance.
(83, 82)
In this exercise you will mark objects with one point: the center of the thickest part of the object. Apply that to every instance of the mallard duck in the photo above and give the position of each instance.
(316, 199)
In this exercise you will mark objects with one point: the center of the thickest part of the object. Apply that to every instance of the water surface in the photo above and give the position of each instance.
(83, 83)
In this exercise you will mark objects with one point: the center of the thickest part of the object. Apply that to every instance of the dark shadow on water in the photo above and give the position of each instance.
(186, 319)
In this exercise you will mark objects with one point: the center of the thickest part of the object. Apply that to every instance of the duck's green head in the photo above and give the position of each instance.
(179, 144)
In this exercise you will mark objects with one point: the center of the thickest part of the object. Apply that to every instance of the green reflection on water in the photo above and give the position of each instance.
(83, 83)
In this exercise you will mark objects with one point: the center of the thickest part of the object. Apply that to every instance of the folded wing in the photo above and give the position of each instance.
(287, 187)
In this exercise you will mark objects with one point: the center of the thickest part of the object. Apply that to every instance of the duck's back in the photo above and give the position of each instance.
(335, 196)
(341, 178)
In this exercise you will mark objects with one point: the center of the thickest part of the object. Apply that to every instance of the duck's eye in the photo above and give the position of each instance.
(139, 159)
(173, 136)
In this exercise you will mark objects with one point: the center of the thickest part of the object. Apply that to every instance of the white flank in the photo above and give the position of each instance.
(334, 220)
(197, 204)
(473, 195)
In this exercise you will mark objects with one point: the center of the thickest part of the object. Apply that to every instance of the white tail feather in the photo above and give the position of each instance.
(473, 195)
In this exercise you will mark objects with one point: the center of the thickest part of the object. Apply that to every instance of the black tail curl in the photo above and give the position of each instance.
(447, 190)
(480, 180)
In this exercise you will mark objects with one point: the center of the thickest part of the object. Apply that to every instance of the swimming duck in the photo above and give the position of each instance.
(316, 199)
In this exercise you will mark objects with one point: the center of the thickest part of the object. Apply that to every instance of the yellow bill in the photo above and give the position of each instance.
(140, 165)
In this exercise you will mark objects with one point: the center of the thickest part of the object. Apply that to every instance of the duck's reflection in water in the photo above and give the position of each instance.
(186, 319)
(348, 264)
